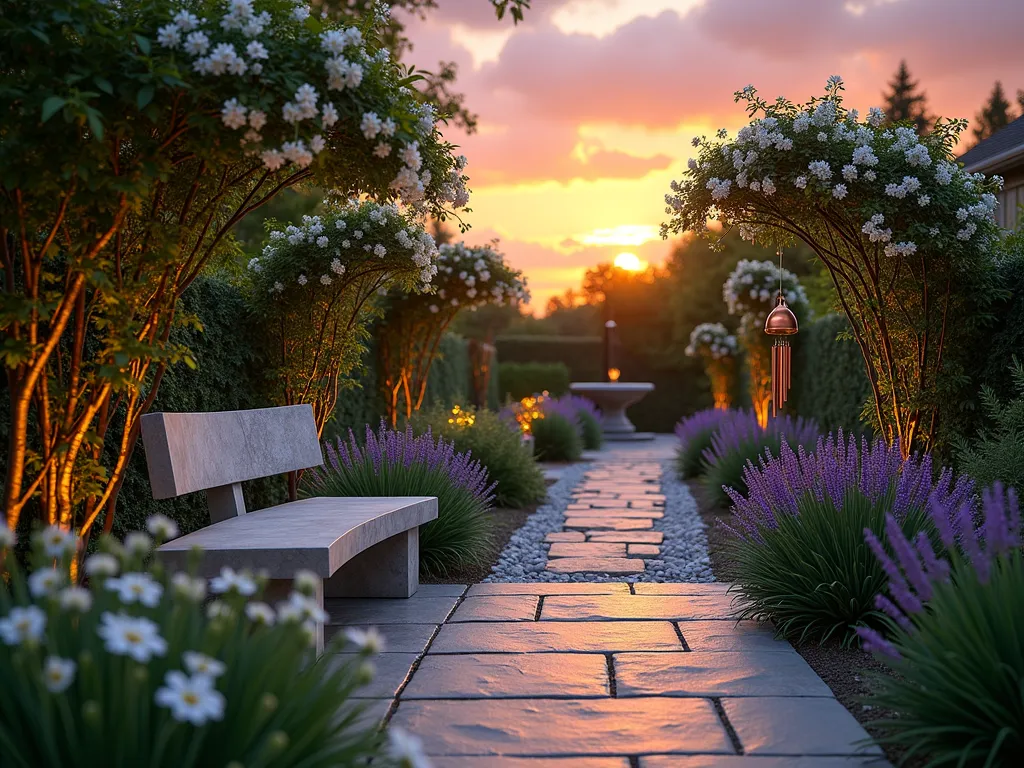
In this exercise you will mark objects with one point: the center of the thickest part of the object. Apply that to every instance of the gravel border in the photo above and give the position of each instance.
(684, 552)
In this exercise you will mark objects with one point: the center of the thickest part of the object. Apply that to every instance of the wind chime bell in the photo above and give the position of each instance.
(781, 323)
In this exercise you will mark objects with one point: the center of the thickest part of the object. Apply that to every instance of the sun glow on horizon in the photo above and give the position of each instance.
(630, 262)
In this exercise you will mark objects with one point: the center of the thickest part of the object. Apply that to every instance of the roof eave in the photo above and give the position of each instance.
(1005, 159)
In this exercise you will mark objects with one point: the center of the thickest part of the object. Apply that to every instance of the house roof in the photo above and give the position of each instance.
(1000, 150)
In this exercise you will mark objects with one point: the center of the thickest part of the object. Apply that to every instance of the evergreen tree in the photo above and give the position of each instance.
(1020, 99)
(905, 102)
(996, 114)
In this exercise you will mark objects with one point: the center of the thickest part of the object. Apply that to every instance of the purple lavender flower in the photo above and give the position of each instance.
(702, 421)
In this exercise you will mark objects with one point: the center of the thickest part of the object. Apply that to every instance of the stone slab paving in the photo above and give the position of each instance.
(599, 675)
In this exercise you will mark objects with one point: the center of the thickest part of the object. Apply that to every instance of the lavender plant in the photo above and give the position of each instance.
(694, 433)
(132, 670)
(588, 418)
(557, 435)
(799, 547)
(954, 623)
(739, 440)
(398, 463)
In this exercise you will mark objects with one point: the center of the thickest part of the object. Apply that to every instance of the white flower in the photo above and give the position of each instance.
(944, 172)
(260, 613)
(219, 609)
(340, 224)
(863, 155)
(358, 234)
(229, 581)
(23, 625)
(876, 117)
(869, 175)
(834, 81)
(301, 13)
(767, 186)
(169, 36)
(191, 699)
(304, 608)
(138, 543)
(406, 749)
(186, 21)
(197, 43)
(200, 664)
(370, 125)
(322, 241)
(317, 144)
(272, 159)
(256, 50)
(7, 537)
(328, 115)
(278, 286)
(101, 564)
(76, 599)
(325, 280)
(44, 581)
(302, 281)
(850, 172)
(923, 200)
(346, 243)
(918, 155)
(839, 191)
(57, 542)
(411, 156)
(822, 136)
(821, 169)
(383, 149)
(188, 587)
(137, 587)
(968, 230)
(132, 636)
(162, 527)
(900, 249)
(380, 250)
(307, 582)
(58, 674)
(800, 182)
(801, 123)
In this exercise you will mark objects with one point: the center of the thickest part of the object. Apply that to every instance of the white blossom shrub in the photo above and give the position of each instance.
(147, 667)
(314, 288)
(717, 348)
(903, 231)
(414, 321)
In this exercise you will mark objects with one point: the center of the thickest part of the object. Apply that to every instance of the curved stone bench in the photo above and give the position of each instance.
(359, 546)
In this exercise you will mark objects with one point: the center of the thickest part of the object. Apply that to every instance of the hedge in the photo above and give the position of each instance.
(583, 355)
(519, 380)
(829, 381)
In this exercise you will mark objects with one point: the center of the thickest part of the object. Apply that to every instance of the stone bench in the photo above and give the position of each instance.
(359, 546)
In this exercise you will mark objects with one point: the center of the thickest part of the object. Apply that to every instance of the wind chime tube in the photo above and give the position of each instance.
(782, 374)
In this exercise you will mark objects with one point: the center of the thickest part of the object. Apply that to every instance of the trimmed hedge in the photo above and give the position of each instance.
(582, 355)
(519, 380)
(829, 382)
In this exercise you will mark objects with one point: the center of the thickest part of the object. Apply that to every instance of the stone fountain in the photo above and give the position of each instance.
(613, 397)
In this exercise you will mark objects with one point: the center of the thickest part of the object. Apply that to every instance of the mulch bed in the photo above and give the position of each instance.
(846, 671)
(506, 522)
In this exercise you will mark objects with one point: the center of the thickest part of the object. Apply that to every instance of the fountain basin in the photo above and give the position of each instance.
(613, 397)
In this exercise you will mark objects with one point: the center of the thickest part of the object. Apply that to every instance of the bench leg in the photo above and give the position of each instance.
(278, 590)
(388, 569)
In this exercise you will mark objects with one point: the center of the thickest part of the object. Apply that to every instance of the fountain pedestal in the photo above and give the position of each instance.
(613, 397)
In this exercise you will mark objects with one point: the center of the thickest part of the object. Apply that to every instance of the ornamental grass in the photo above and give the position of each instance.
(135, 670)
(398, 463)
(799, 550)
(954, 632)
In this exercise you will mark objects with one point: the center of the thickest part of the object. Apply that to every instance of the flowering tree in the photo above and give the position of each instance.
(901, 229)
(312, 285)
(750, 293)
(713, 344)
(414, 323)
(139, 133)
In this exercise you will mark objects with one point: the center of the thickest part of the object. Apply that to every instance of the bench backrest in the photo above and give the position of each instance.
(216, 451)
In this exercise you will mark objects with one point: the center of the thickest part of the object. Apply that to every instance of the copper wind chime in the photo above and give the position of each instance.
(781, 323)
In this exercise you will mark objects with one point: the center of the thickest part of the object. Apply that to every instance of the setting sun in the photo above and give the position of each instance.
(630, 262)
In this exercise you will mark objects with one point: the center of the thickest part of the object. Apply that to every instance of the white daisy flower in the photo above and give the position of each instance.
(76, 599)
(23, 625)
(188, 587)
(132, 636)
(191, 699)
(137, 588)
(260, 613)
(57, 542)
(368, 641)
(200, 664)
(44, 581)
(230, 581)
(162, 527)
(58, 674)
(101, 564)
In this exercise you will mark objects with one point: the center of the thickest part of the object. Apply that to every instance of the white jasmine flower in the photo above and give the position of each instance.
(869, 175)
(322, 241)
(138, 543)
(272, 159)
(821, 169)
(800, 182)
(317, 144)
(822, 136)
(839, 191)
(278, 287)
(850, 172)
(76, 599)
(161, 526)
(328, 115)
(876, 117)
(23, 625)
(301, 13)
(191, 699)
(370, 125)
(918, 155)
(185, 21)
(229, 580)
(197, 43)
(358, 234)
(132, 636)
(346, 243)
(340, 224)
(411, 156)
(58, 674)
(801, 123)
(169, 36)
(923, 200)
(325, 280)
(44, 581)
(388, 128)
(260, 613)
(101, 564)
(767, 186)
(57, 542)
(967, 232)
(864, 155)
(136, 587)
(380, 250)
(200, 664)
(382, 150)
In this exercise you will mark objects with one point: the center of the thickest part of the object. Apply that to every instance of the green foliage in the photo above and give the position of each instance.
(555, 438)
(581, 354)
(397, 464)
(519, 380)
(957, 687)
(829, 382)
(998, 453)
(496, 445)
(449, 382)
(690, 456)
(726, 471)
(813, 575)
(73, 696)
(590, 431)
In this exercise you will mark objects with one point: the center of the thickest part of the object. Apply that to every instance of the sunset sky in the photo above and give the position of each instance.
(588, 107)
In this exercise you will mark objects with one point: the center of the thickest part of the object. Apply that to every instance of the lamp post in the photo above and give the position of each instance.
(609, 332)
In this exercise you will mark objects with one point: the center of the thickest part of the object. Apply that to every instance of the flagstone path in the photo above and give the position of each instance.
(588, 675)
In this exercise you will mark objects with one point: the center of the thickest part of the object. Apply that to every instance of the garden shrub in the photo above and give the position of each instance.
(588, 420)
(397, 463)
(998, 453)
(556, 437)
(739, 441)
(102, 675)
(829, 382)
(695, 433)
(518, 481)
(953, 635)
(799, 551)
(582, 355)
(519, 380)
